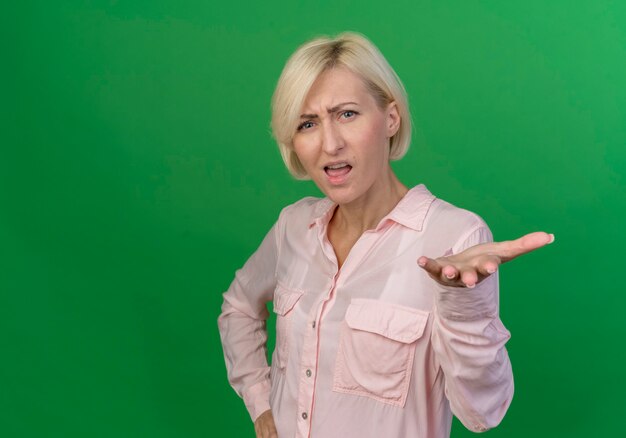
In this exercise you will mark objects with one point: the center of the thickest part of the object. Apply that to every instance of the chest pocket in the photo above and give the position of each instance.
(376, 350)
(284, 301)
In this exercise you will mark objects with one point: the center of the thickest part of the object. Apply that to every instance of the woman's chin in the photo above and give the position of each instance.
(340, 195)
(343, 193)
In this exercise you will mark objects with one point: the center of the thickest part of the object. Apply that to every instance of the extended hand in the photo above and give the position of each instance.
(470, 267)
(264, 425)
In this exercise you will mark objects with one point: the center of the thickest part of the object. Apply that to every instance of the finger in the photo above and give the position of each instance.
(469, 277)
(430, 265)
(260, 425)
(508, 250)
(487, 265)
(449, 273)
(272, 433)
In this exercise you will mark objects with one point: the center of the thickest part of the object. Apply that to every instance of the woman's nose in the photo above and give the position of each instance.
(332, 141)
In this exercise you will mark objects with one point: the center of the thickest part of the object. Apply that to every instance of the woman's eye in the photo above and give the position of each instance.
(348, 114)
(305, 125)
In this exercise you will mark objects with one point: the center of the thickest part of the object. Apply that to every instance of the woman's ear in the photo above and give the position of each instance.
(393, 119)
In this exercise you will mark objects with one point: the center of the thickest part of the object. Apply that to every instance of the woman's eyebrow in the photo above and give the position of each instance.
(329, 110)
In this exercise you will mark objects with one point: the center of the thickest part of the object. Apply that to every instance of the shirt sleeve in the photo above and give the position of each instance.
(242, 325)
(468, 338)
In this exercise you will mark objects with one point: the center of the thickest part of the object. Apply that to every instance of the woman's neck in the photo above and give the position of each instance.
(366, 212)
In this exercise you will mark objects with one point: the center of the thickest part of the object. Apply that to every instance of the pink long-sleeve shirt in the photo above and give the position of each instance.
(375, 348)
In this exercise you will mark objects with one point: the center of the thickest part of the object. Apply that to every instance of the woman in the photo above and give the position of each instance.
(374, 337)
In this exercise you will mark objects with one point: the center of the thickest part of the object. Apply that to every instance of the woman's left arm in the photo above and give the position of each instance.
(468, 336)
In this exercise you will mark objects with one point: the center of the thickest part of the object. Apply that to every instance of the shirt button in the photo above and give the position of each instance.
(313, 325)
(304, 415)
(308, 373)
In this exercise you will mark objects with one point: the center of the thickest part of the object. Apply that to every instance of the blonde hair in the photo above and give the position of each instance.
(358, 54)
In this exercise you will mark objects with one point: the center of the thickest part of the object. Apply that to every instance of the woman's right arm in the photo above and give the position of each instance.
(242, 325)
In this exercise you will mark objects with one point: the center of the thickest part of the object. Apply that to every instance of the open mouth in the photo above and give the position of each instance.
(338, 169)
(337, 173)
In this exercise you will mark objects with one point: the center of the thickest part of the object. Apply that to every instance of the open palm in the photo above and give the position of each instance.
(470, 267)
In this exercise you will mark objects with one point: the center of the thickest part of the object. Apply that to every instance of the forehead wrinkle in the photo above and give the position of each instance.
(328, 110)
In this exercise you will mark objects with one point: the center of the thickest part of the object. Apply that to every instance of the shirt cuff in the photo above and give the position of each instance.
(468, 304)
(257, 399)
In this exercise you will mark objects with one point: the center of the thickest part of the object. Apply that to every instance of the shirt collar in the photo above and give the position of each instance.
(410, 211)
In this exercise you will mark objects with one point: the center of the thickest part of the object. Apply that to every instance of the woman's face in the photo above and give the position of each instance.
(343, 136)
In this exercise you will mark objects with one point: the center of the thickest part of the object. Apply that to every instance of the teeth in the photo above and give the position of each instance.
(337, 166)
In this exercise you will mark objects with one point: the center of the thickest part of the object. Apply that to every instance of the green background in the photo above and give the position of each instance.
(137, 173)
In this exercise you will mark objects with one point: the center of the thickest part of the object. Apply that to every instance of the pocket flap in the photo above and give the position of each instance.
(394, 321)
(285, 299)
